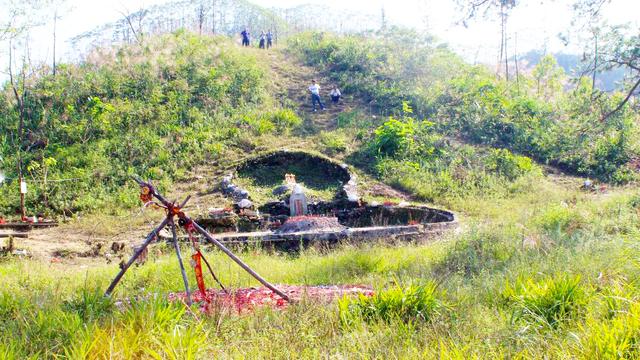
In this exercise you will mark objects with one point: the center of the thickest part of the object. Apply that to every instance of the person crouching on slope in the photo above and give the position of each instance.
(335, 94)
(315, 95)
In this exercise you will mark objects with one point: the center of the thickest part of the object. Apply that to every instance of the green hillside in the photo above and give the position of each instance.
(540, 267)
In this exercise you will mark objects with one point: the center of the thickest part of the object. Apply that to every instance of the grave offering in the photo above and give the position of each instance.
(295, 218)
(249, 299)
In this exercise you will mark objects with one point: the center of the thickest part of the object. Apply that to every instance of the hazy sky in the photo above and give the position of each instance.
(535, 22)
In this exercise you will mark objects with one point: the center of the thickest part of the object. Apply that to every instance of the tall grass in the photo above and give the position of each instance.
(568, 294)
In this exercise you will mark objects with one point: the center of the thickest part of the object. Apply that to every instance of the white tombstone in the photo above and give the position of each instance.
(298, 201)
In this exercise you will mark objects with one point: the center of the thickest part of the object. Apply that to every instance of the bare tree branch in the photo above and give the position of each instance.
(623, 102)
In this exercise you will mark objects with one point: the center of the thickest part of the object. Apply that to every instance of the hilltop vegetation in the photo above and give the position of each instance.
(532, 115)
(154, 110)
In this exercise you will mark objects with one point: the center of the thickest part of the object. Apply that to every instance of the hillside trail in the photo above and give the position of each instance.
(290, 80)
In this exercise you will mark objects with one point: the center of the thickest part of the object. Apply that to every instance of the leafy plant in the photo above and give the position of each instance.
(413, 303)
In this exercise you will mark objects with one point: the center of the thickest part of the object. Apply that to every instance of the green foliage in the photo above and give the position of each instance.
(550, 302)
(405, 137)
(532, 115)
(154, 109)
(511, 166)
(618, 338)
(477, 252)
(560, 219)
(333, 142)
(394, 137)
(90, 305)
(413, 303)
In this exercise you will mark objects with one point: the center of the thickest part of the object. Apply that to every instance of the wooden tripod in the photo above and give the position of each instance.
(173, 211)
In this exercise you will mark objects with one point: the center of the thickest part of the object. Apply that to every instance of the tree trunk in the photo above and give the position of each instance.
(55, 18)
(595, 67)
(506, 56)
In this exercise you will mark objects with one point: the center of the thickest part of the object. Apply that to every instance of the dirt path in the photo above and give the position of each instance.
(291, 80)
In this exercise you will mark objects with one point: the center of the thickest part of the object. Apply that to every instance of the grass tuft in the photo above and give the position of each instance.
(414, 303)
(549, 302)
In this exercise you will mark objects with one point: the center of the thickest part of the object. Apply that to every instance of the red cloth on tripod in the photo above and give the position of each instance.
(197, 258)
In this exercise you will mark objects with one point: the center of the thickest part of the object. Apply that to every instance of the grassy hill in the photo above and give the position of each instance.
(539, 268)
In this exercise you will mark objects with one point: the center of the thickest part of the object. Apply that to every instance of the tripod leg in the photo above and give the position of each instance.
(184, 273)
(213, 274)
(152, 235)
(239, 262)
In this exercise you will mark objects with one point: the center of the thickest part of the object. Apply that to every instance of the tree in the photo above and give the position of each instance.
(471, 9)
(20, 17)
(548, 76)
(135, 21)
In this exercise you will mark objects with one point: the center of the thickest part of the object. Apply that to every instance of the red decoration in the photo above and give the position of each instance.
(197, 258)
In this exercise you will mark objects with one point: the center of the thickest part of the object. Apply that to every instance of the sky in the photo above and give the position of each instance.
(534, 23)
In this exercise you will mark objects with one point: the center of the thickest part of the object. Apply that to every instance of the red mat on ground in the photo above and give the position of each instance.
(242, 300)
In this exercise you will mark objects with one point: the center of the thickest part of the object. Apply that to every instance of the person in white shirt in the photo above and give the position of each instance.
(335, 94)
(315, 95)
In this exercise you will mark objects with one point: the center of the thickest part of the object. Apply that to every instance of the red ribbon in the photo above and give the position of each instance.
(197, 258)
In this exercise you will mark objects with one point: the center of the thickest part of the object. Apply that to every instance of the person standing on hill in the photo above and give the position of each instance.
(315, 95)
(269, 39)
(262, 39)
(246, 37)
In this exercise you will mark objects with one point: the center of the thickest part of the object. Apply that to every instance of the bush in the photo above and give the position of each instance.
(549, 302)
(154, 109)
(413, 303)
(504, 163)
(285, 119)
(394, 137)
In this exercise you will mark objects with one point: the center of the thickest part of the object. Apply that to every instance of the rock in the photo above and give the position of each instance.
(229, 189)
(244, 204)
(240, 194)
(281, 190)
(116, 247)
(20, 252)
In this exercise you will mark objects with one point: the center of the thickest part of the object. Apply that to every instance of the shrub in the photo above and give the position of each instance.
(505, 163)
(549, 302)
(285, 119)
(409, 304)
(394, 137)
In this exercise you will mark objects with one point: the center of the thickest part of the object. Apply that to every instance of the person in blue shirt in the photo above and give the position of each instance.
(246, 37)
(269, 39)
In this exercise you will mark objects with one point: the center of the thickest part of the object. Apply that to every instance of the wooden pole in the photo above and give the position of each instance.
(177, 247)
(152, 235)
(237, 260)
(213, 274)
(206, 235)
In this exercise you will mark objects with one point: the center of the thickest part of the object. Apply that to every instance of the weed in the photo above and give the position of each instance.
(550, 302)
(413, 303)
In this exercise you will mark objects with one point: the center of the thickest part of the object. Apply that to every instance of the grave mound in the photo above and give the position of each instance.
(296, 224)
